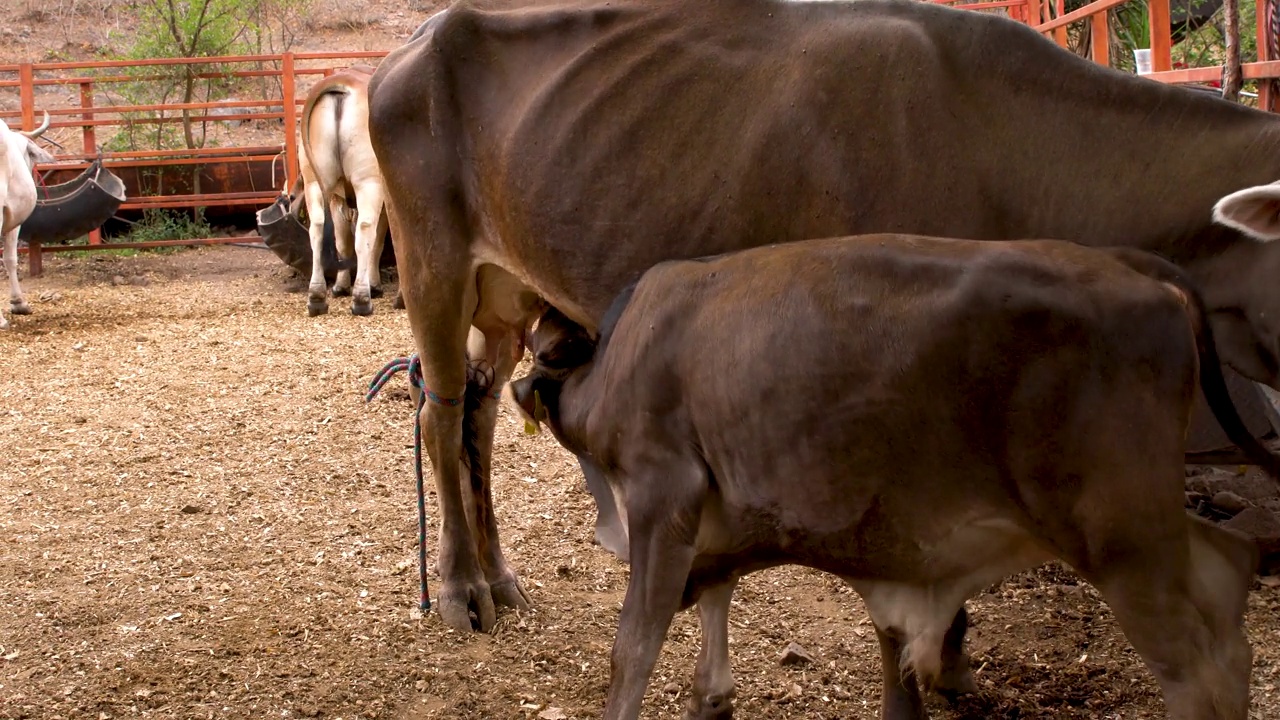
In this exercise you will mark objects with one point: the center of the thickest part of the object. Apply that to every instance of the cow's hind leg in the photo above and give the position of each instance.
(17, 304)
(368, 244)
(1182, 606)
(343, 244)
(317, 289)
(505, 309)
(664, 504)
(712, 697)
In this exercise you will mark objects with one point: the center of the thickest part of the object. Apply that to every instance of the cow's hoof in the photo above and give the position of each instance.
(709, 707)
(466, 606)
(341, 290)
(507, 592)
(954, 683)
(317, 307)
(19, 307)
(375, 291)
(362, 308)
(399, 302)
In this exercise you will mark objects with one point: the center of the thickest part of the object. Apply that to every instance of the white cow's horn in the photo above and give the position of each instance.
(33, 134)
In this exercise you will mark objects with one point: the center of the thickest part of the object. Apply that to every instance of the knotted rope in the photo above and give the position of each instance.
(477, 376)
(414, 366)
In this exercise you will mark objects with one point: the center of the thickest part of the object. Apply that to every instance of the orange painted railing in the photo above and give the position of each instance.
(93, 119)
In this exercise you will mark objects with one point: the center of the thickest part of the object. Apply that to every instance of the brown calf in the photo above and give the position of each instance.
(922, 417)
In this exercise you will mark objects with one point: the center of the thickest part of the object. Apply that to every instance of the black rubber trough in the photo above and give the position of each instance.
(72, 209)
(288, 238)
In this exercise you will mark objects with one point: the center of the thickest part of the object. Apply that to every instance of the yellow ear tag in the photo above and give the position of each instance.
(539, 414)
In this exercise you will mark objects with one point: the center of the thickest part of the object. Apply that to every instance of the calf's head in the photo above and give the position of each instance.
(562, 350)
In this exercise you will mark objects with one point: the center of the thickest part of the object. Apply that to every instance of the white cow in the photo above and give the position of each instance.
(18, 157)
(339, 169)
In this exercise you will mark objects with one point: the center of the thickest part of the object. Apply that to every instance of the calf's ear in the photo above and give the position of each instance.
(521, 396)
(1253, 211)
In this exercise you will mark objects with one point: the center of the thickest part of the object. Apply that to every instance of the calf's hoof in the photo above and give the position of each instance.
(375, 291)
(19, 307)
(709, 707)
(399, 302)
(317, 307)
(361, 307)
(341, 290)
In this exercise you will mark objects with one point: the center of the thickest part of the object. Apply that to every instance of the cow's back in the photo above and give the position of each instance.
(899, 360)
(679, 129)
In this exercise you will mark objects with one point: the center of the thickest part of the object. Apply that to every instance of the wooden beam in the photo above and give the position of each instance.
(1100, 39)
(1161, 42)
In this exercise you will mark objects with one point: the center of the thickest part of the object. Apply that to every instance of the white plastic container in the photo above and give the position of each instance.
(1142, 59)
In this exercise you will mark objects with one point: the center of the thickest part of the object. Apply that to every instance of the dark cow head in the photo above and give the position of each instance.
(561, 349)
(1244, 290)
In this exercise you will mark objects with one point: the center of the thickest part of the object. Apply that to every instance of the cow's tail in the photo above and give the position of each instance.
(480, 378)
(334, 88)
(1212, 382)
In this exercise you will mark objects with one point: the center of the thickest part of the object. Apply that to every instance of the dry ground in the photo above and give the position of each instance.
(201, 518)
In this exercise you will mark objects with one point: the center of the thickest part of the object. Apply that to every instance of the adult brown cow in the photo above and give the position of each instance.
(555, 153)
(922, 417)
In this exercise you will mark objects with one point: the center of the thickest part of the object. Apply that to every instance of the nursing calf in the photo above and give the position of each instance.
(921, 417)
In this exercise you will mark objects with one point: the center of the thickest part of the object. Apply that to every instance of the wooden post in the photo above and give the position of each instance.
(1035, 12)
(1060, 33)
(1266, 96)
(27, 95)
(90, 140)
(1100, 38)
(1161, 43)
(289, 90)
(35, 263)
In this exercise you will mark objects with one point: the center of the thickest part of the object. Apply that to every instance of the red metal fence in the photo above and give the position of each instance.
(284, 78)
(291, 74)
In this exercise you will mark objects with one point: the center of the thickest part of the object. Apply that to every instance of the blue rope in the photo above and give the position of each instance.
(413, 365)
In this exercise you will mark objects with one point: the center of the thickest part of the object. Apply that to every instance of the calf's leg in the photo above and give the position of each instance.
(611, 533)
(663, 511)
(1181, 602)
(17, 304)
(712, 697)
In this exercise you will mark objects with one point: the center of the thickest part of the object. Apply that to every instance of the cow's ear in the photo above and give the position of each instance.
(1253, 211)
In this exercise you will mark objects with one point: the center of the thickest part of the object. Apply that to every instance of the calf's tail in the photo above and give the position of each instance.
(1212, 382)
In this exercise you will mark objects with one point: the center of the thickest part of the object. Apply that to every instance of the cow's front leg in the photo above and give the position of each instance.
(664, 505)
(17, 304)
(712, 697)
(497, 353)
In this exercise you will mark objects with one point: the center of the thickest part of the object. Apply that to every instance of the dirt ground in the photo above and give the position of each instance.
(200, 517)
